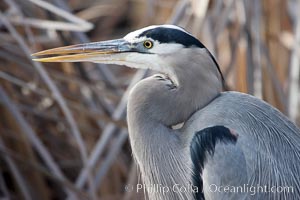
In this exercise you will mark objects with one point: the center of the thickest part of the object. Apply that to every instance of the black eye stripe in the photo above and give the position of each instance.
(170, 35)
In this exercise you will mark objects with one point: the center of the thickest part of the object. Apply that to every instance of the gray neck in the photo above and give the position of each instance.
(153, 106)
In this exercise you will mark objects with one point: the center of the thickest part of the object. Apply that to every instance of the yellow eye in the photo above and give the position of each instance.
(148, 44)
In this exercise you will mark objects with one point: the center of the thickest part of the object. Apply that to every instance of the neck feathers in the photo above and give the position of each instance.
(154, 106)
(165, 168)
(200, 81)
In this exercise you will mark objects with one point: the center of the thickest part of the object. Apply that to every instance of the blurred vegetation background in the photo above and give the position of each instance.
(63, 128)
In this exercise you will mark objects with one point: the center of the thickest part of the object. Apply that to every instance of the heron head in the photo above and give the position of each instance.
(153, 47)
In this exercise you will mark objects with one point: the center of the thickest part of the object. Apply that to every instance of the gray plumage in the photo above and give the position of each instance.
(228, 139)
(267, 151)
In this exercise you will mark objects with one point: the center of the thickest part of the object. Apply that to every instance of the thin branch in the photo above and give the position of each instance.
(256, 23)
(293, 94)
(178, 12)
(3, 187)
(82, 24)
(105, 166)
(56, 94)
(274, 78)
(29, 164)
(16, 173)
(109, 129)
(47, 24)
(45, 155)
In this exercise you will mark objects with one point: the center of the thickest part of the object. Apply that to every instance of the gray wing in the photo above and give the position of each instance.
(265, 156)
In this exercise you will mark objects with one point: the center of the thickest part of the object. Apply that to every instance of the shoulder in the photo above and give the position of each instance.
(237, 108)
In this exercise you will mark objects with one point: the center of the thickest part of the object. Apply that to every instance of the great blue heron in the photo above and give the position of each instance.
(232, 145)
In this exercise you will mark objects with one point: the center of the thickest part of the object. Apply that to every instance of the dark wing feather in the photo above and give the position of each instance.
(202, 145)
